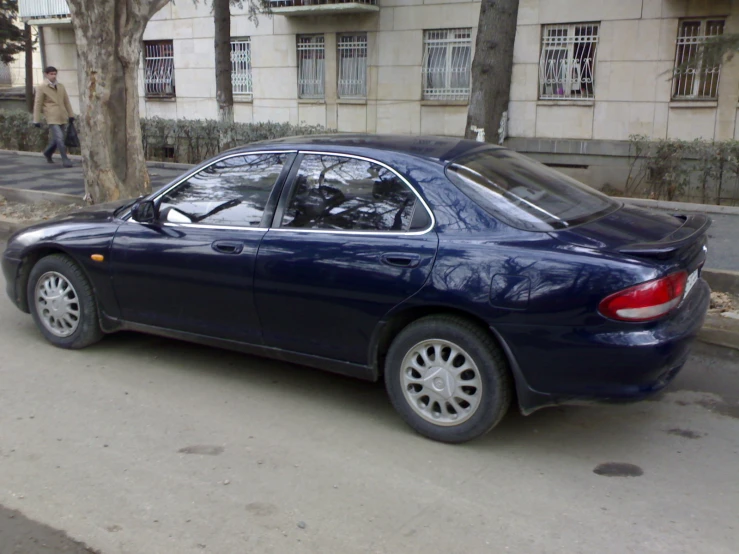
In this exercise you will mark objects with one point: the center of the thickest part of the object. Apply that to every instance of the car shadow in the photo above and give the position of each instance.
(580, 430)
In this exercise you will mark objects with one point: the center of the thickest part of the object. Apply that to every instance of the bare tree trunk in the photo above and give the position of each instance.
(29, 67)
(109, 36)
(224, 87)
(492, 67)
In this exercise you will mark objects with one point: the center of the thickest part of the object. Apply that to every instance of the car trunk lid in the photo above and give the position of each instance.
(634, 231)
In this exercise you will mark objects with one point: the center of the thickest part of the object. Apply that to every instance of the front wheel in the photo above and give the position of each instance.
(448, 379)
(62, 303)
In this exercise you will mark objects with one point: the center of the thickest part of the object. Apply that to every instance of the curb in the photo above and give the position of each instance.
(153, 164)
(722, 280)
(720, 331)
(31, 196)
(681, 206)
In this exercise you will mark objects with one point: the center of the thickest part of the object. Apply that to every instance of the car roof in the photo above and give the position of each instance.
(440, 149)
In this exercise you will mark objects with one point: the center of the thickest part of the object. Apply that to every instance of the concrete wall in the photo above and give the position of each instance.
(17, 68)
(395, 53)
(635, 57)
(61, 52)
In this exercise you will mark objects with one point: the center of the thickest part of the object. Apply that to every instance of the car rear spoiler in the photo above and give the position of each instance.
(694, 227)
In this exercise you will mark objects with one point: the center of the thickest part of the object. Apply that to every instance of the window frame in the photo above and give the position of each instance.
(568, 44)
(308, 47)
(249, 78)
(362, 43)
(172, 80)
(287, 192)
(447, 93)
(699, 75)
(269, 209)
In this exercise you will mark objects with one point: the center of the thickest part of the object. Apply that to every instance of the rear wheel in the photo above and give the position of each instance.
(62, 303)
(448, 379)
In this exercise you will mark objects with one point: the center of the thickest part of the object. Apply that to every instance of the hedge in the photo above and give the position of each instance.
(177, 140)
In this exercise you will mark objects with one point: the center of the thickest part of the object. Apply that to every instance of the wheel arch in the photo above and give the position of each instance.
(528, 400)
(394, 324)
(28, 260)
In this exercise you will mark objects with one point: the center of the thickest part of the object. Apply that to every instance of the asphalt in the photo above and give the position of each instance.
(31, 172)
(145, 445)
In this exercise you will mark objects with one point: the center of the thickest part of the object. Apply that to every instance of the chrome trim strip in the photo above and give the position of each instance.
(205, 226)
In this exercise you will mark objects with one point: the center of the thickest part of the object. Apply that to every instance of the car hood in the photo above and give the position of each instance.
(631, 229)
(95, 213)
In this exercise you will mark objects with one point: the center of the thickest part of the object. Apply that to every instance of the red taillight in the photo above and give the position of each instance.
(647, 301)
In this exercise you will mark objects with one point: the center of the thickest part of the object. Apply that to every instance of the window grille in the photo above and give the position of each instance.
(567, 64)
(693, 79)
(352, 66)
(311, 66)
(159, 69)
(447, 59)
(241, 65)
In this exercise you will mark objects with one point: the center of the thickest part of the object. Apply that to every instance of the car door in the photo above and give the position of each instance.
(351, 239)
(193, 269)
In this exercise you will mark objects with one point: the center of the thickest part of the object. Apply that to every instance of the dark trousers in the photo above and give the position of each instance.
(56, 141)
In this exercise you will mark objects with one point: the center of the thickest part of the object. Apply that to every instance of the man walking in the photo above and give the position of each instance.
(52, 99)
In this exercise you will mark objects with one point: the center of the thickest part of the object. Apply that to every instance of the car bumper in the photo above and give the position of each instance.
(11, 267)
(566, 366)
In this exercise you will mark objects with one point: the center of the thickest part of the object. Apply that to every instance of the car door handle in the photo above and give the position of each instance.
(401, 260)
(228, 247)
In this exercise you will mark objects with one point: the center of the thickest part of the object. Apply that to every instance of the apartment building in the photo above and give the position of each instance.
(587, 73)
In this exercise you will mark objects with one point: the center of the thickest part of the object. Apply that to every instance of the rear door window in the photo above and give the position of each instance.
(526, 194)
(349, 194)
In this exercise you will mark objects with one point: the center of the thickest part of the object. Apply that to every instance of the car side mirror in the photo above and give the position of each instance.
(144, 211)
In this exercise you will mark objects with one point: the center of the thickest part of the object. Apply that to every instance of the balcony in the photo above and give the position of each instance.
(44, 12)
(321, 7)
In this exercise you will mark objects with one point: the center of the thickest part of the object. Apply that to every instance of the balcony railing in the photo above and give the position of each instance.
(316, 7)
(43, 9)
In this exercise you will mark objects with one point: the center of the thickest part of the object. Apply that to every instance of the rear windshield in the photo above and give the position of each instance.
(524, 193)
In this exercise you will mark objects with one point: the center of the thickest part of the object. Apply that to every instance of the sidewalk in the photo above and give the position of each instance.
(32, 172)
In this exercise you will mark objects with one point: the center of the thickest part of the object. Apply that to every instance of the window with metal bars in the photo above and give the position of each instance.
(311, 66)
(447, 59)
(567, 64)
(159, 69)
(241, 65)
(693, 78)
(352, 65)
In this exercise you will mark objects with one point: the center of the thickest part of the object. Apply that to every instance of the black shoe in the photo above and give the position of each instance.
(67, 163)
(48, 159)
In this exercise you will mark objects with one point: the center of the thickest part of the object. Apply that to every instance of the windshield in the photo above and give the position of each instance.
(526, 194)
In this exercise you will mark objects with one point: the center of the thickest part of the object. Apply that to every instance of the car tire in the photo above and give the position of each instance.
(62, 303)
(447, 395)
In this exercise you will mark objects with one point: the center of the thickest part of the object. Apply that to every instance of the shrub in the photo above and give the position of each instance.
(18, 133)
(178, 140)
(696, 171)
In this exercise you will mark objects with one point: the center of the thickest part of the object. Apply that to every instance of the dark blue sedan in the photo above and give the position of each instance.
(468, 276)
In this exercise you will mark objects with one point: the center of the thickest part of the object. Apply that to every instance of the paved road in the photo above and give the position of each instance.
(33, 173)
(145, 445)
(723, 242)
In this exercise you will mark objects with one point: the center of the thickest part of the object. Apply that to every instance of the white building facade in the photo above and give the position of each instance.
(587, 73)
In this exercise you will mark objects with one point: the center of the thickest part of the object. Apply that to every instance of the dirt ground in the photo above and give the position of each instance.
(33, 212)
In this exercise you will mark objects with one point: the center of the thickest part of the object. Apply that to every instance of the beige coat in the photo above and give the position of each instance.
(54, 103)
